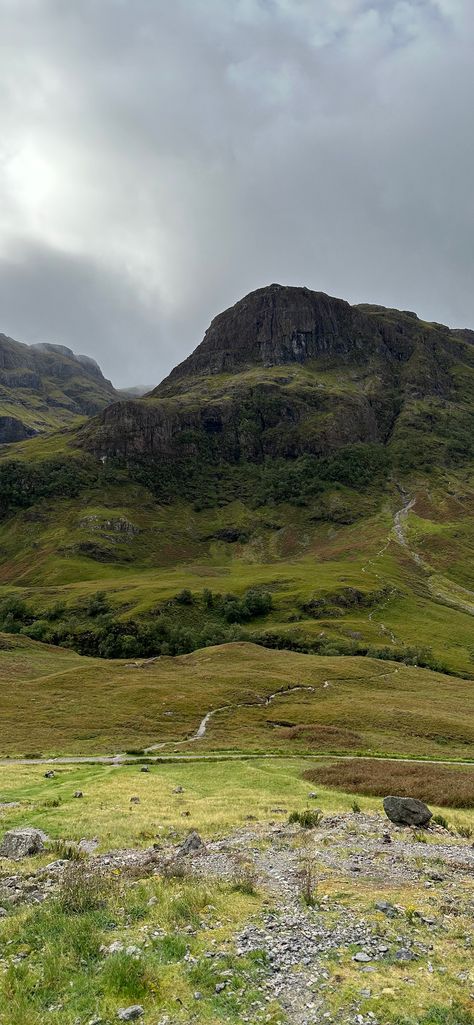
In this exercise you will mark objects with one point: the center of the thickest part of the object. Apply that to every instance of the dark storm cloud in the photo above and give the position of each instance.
(158, 160)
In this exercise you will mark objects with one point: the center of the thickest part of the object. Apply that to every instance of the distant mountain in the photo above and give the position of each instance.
(46, 386)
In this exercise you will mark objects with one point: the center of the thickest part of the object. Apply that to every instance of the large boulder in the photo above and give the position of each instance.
(407, 811)
(20, 843)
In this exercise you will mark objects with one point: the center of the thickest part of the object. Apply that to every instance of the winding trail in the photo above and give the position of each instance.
(201, 730)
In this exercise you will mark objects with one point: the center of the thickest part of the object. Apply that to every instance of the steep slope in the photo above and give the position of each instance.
(45, 386)
(288, 372)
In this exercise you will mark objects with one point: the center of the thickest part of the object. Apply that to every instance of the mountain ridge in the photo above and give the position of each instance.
(44, 386)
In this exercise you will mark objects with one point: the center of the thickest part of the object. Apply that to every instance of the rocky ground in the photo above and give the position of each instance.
(332, 906)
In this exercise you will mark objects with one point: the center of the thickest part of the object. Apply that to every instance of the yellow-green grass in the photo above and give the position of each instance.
(433, 991)
(219, 797)
(55, 702)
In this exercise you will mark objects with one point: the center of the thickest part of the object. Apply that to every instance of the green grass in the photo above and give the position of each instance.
(287, 550)
(58, 972)
(56, 702)
(218, 797)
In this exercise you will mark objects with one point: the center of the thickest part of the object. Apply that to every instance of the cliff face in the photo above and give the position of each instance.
(287, 371)
(45, 386)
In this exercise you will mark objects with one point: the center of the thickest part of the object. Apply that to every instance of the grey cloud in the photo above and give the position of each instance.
(159, 160)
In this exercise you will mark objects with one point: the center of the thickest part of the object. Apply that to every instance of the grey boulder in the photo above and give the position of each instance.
(192, 843)
(130, 1013)
(20, 843)
(407, 811)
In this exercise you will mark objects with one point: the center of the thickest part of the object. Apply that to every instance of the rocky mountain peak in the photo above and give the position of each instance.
(274, 325)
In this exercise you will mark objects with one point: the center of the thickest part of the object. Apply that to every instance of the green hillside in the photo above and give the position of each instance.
(304, 480)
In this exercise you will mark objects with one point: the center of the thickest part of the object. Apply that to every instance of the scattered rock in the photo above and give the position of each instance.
(362, 956)
(178, 790)
(19, 843)
(130, 1013)
(404, 955)
(386, 838)
(220, 986)
(407, 811)
(192, 843)
(78, 793)
(87, 846)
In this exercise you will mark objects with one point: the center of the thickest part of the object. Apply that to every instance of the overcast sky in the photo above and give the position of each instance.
(161, 158)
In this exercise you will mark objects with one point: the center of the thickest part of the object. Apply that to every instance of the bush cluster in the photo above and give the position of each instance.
(182, 624)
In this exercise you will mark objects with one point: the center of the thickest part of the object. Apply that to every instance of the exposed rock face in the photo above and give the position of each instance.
(276, 325)
(20, 843)
(407, 811)
(12, 429)
(302, 373)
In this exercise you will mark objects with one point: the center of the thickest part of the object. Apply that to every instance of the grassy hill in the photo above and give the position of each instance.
(54, 702)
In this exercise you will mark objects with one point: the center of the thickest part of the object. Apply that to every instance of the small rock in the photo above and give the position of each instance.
(134, 800)
(50, 774)
(312, 795)
(78, 793)
(178, 790)
(130, 1013)
(3, 912)
(220, 986)
(386, 838)
(362, 956)
(192, 843)
(197, 995)
(145, 768)
(404, 955)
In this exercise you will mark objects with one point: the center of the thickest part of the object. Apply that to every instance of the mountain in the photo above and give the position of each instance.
(45, 386)
(305, 479)
(288, 372)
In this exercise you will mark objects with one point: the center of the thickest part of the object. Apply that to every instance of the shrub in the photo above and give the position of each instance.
(84, 888)
(245, 877)
(307, 819)
(307, 882)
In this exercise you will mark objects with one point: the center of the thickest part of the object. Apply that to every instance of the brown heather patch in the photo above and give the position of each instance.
(327, 736)
(435, 784)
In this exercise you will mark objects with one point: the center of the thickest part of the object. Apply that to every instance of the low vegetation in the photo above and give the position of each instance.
(435, 784)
